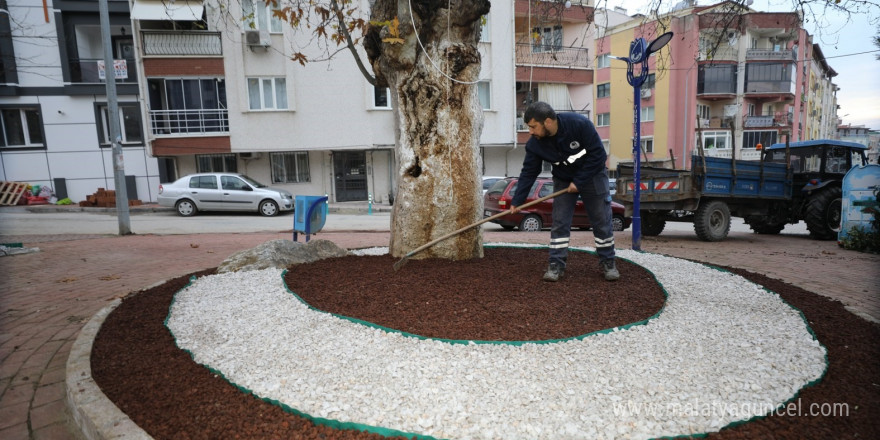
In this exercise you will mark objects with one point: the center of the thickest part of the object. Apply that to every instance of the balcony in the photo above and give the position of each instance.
(553, 56)
(87, 70)
(770, 54)
(183, 43)
(189, 122)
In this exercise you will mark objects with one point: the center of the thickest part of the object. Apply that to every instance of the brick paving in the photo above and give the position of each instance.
(47, 296)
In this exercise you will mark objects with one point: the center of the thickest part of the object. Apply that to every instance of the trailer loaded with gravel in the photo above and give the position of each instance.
(792, 182)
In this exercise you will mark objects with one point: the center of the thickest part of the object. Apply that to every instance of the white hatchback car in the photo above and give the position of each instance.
(223, 192)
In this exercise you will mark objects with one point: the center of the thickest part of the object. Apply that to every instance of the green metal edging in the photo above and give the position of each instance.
(388, 432)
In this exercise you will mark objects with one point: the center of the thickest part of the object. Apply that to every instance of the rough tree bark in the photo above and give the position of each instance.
(438, 120)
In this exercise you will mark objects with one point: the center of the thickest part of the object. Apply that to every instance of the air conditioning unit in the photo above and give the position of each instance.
(645, 93)
(249, 155)
(257, 38)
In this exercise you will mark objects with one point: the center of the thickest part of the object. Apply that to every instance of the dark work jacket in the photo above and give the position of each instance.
(575, 134)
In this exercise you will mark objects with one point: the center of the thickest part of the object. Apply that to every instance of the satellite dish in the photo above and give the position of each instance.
(659, 42)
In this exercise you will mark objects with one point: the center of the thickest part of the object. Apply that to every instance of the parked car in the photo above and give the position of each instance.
(488, 181)
(223, 192)
(535, 218)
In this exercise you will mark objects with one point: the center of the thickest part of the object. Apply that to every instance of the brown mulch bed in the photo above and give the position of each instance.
(499, 297)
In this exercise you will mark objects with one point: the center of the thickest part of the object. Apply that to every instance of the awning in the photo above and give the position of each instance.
(179, 10)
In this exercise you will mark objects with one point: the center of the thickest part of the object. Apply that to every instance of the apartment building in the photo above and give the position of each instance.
(54, 104)
(209, 87)
(223, 94)
(731, 79)
(553, 42)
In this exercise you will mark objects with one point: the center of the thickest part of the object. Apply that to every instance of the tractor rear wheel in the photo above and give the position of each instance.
(822, 214)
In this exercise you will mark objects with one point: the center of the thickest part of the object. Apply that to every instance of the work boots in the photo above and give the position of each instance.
(554, 272)
(610, 269)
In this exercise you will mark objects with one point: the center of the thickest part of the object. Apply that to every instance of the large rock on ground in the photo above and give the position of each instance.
(280, 254)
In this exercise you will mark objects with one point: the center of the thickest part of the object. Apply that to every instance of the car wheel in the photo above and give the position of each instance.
(268, 208)
(186, 208)
(617, 223)
(531, 223)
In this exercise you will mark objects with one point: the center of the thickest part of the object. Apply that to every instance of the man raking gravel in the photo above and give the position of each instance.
(569, 141)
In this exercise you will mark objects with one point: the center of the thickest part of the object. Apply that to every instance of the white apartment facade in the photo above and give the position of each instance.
(315, 129)
(53, 99)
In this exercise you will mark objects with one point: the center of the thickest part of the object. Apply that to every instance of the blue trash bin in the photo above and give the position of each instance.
(309, 215)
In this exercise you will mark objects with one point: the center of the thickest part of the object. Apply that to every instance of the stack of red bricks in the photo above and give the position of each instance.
(105, 199)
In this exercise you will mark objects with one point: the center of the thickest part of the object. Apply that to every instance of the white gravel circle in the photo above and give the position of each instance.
(722, 350)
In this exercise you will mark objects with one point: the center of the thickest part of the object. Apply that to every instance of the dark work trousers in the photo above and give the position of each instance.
(597, 200)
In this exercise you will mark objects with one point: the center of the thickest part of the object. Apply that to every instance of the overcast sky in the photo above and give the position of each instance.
(847, 46)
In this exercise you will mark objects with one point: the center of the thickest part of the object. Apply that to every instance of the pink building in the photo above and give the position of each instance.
(731, 80)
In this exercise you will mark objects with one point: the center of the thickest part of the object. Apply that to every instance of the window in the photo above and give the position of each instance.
(647, 114)
(484, 29)
(716, 139)
(22, 127)
(649, 82)
(547, 39)
(290, 167)
(485, 93)
(753, 138)
(703, 111)
(129, 124)
(606, 144)
(204, 182)
(233, 183)
(751, 109)
(603, 119)
(603, 90)
(648, 144)
(257, 15)
(603, 60)
(267, 93)
(187, 105)
(381, 97)
(216, 163)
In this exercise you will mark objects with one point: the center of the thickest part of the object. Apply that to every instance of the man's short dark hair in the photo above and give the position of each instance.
(539, 111)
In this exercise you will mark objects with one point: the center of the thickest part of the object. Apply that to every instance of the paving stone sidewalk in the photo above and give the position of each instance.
(47, 296)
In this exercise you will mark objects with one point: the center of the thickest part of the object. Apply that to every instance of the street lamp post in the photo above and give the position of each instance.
(639, 51)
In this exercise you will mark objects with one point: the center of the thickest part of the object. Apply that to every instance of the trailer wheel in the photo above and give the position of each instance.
(822, 214)
(712, 221)
(652, 224)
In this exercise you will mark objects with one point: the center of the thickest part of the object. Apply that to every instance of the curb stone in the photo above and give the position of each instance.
(93, 413)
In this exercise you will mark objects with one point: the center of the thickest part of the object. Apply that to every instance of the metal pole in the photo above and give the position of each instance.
(637, 154)
(113, 122)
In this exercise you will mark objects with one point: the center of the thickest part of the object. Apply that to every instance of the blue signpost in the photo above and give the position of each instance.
(639, 51)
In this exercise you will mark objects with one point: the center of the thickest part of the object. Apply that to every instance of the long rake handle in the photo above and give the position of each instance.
(459, 231)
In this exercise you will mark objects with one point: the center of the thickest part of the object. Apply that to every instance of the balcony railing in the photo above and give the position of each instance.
(87, 70)
(744, 154)
(784, 86)
(175, 122)
(183, 43)
(759, 121)
(720, 54)
(542, 55)
(770, 54)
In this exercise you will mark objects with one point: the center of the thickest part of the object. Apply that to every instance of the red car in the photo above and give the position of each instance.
(535, 218)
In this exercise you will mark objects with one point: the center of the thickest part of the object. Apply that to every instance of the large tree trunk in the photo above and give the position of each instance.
(438, 121)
